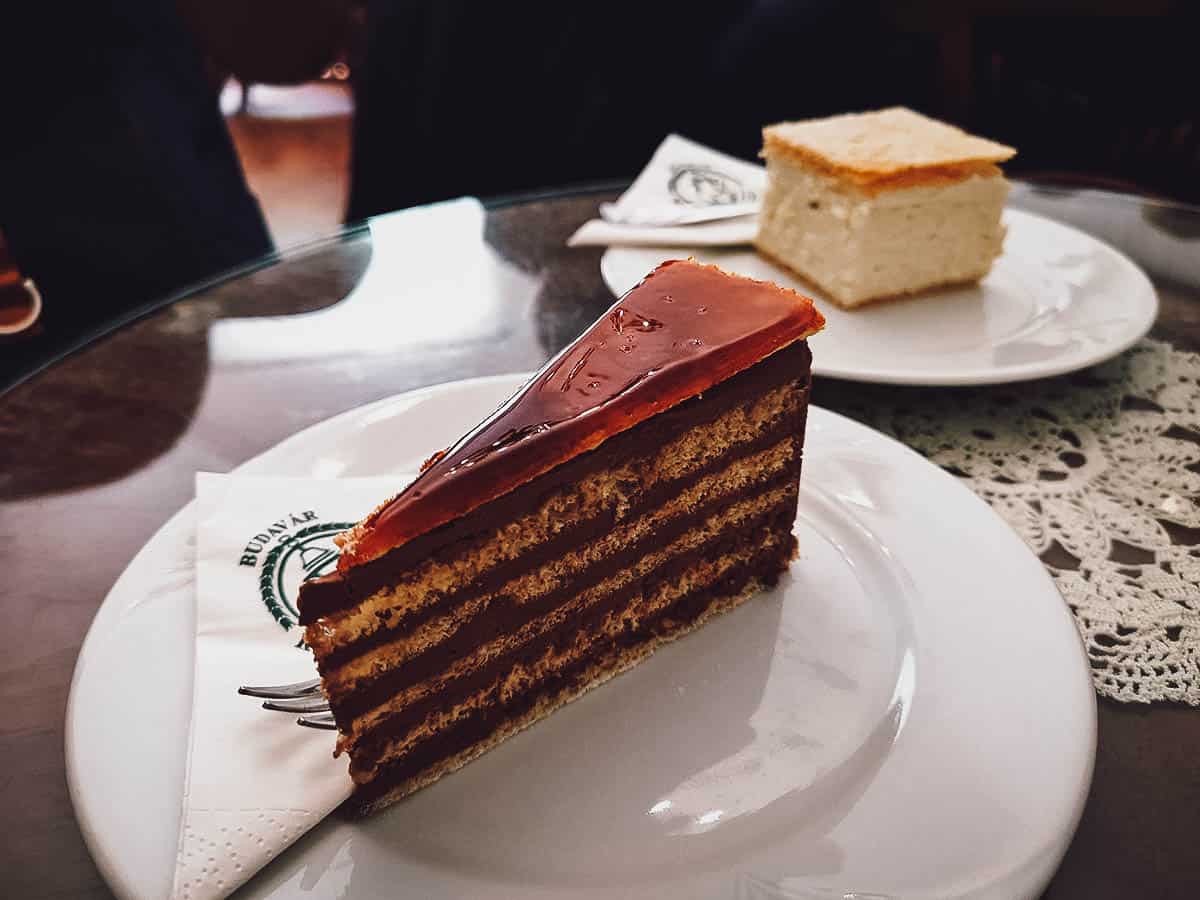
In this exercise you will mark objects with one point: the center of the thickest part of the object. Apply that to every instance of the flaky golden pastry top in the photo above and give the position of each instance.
(886, 149)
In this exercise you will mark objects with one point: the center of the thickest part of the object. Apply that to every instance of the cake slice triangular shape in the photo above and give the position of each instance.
(644, 480)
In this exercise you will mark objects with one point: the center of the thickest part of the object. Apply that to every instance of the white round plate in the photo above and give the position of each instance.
(909, 714)
(1055, 301)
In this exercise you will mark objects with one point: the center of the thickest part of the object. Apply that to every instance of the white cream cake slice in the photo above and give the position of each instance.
(868, 206)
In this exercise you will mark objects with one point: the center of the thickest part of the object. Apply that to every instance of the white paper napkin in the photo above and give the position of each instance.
(255, 780)
(683, 181)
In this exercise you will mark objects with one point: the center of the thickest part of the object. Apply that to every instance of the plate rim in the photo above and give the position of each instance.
(962, 378)
(108, 865)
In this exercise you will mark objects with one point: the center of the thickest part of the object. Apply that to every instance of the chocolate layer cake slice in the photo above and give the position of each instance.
(643, 481)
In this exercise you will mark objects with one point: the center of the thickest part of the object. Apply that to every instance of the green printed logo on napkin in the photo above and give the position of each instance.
(291, 550)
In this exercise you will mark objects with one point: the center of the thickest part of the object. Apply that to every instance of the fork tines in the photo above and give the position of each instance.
(283, 691)
(302, 697)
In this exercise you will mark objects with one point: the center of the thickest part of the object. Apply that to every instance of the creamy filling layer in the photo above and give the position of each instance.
(858, 246)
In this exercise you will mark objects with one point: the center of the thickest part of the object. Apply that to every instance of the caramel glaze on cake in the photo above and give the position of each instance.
(643, 480)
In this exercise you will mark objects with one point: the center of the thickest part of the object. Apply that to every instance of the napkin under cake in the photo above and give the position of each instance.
(642, 481)
(874, 205)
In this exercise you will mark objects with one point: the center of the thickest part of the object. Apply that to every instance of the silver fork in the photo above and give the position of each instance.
(303, 697)
(663, 215)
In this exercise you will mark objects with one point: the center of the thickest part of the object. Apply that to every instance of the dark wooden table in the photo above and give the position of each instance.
(97, 451)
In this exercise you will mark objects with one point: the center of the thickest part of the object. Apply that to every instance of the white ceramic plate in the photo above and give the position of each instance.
(908, 714)
(1055, 301)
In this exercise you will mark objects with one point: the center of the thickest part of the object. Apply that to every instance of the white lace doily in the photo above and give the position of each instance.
(1099, 472)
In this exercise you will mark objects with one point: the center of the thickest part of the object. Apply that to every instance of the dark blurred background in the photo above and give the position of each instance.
(149, 145)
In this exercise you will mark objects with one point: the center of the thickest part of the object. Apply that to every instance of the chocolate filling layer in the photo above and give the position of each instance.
(396, 726)
(496, 577)
(331, 593)
(507, 617)
(481, 723)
